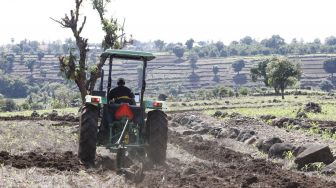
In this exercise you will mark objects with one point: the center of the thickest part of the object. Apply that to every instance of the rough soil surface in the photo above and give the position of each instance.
(38, 153)
(60, 161)
(222, 167)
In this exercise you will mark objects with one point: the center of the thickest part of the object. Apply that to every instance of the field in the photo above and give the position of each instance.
(212, 143)
(167, 71)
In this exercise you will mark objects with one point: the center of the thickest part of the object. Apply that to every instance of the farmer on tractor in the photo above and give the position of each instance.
(112, 119)
(121, 94)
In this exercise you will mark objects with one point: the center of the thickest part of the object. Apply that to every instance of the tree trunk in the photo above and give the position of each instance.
(282, 92)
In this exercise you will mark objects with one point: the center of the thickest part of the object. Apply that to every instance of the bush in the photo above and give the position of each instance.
(9, 105)
(326, 85)
(243, 91)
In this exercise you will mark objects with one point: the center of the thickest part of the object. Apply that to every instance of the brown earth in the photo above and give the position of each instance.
(224, 168)
(202, 162)
(60, 161)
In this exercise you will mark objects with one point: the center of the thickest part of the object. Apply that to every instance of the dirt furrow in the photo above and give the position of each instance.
(226, 168)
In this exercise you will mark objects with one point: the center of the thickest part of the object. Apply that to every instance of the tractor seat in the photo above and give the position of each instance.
(123, 111)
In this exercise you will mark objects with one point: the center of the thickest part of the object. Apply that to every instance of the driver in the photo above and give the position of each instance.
(121, 93)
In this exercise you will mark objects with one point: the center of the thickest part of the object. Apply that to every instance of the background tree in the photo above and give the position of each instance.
(159, 44)
(76, 69)
(330, 66)
(193, 58)
(6, 63)
(246, 40)
(40, 55)
(326, 85)
(283, 73)
(330, 40)
(30, 65)
(190, 43)
(274, 42)
(219, 45)
(260, 72)
(238, 65)
(215, 70)
(178, 51)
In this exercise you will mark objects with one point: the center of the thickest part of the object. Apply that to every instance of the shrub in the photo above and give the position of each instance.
(9, 105)
(243, 91)
(326, 85)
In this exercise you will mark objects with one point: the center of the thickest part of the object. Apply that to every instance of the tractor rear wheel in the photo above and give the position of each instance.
(88, 134)
(157, 132)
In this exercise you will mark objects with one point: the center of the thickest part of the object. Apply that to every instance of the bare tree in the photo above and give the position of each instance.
(77, 70)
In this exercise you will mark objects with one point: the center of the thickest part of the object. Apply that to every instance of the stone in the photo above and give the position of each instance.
(279, 122)
(189, 171)
(197, 138)
(251, 140)
(329, 169)
(265, 145)
(278, 150)
(184, 120)
(267, 117)
(231, 133)
(314, 153)
(185, 133)
(215, 131)
(312, 107)
(35, 114)
(299, 150)
(244, 135)
(203, 130)
(301, 115)
(218, 114)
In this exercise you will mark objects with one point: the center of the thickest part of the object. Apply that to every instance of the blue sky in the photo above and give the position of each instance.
(176, 20)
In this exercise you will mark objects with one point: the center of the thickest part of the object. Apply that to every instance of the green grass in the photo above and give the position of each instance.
(255, 106)
(29, 112)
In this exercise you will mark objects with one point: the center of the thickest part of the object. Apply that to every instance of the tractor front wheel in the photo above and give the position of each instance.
(88, 127)
(157, 132)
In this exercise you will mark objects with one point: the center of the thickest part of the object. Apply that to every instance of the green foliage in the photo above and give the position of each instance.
(282, 73)
(330, 66)
(193, 58)
(330, 40)
(219, 45)
(243, 91)
(6, 63)
(260, 71)
(215, 69)
(238, 65)
(220, 92)
(289, 155)
(11, 86)
(8, 105)
(274, 42)
(178, 51)
(189, 43)
(159, 44)
(247, 40)
(317, 166)
(326, 85)
(30, 64)
(68, 67)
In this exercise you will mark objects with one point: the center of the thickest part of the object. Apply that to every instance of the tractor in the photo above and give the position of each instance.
(124, 129)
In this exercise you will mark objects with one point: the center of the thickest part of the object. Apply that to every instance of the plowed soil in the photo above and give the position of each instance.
(66, 161)
(206, 162)
(222, 167)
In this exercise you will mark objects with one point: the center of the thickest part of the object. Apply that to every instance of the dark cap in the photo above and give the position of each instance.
(121, 82)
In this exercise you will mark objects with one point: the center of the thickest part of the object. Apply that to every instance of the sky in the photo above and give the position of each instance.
(175, 20)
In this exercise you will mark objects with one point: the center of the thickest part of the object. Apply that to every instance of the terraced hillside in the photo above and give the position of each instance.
(165, 71)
